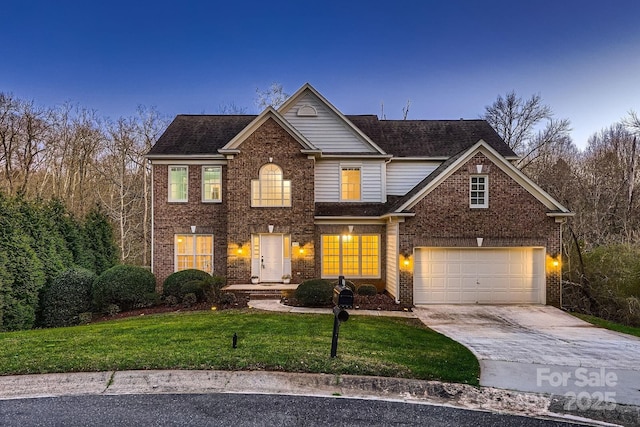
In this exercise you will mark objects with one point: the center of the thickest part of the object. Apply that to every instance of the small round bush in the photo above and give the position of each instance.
(127, 286)
(227, 298)
(368, 290)
(68, 296)
(173, 284)
(315, 292)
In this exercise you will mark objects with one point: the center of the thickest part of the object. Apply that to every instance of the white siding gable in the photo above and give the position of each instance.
(326, 130)
(327, 180)
(403, 175)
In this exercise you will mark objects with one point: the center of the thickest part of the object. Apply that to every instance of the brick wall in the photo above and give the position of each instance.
(269, 141)
(514, 218)
(177, 218)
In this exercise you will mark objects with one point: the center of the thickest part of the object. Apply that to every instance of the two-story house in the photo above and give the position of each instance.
(430, 211)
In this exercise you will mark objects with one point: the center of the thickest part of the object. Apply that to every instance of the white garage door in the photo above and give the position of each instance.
(479, 275)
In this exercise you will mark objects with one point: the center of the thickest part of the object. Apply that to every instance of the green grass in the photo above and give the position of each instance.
(266, 341)
(631, 330)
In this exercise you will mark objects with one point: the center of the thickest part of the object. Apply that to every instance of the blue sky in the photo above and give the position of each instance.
(450, 58)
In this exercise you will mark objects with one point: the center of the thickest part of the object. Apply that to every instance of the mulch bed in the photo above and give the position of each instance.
(381, 302)
(241, 302)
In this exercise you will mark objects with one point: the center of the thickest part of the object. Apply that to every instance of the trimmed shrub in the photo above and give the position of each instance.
(174, 283)
(315, 292)
(127, 286)
(367, 289)
(227, 298)
(67, 297)
(198, 282)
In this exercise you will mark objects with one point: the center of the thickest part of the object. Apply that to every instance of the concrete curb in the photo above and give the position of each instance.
(260, 382)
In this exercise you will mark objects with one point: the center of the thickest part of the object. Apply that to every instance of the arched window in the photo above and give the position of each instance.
(270, 190)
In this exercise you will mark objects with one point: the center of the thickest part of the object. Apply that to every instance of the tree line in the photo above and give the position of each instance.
(71, 154)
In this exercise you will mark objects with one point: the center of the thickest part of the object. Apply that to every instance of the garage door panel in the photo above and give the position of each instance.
(479, 275)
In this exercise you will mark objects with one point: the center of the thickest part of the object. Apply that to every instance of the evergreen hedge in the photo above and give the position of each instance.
(127, 286)
(67, 297)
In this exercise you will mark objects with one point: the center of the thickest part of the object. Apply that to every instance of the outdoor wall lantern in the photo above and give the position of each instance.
(270, 227)
(193, 229)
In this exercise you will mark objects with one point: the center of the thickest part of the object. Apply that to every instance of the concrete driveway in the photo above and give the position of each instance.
(543, 349)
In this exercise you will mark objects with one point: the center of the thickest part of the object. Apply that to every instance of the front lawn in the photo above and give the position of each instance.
(631, 330)
(266, 341)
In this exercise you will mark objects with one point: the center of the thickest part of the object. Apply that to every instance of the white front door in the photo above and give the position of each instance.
(271, 258)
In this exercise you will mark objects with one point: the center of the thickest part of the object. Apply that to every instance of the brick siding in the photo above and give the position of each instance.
(514, 218)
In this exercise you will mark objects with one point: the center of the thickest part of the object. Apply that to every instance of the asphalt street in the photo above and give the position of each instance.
(242, 410)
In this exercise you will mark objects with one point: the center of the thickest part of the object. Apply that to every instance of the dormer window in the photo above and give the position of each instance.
(478, 191)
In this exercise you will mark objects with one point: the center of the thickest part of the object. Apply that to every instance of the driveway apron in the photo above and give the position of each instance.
(543, 349)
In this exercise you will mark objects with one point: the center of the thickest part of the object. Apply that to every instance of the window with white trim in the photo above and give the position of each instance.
(350, 183)
(178, 183)
(212, 183)
(194, 251)
(354, 256)
(478, 191)
(270, 189)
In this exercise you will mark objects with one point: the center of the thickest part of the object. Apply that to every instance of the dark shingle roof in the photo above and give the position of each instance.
(354, 209)
(201, 134)
(429, 138)
(205, 134)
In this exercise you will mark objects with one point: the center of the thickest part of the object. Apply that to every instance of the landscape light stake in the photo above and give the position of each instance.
(235, 340)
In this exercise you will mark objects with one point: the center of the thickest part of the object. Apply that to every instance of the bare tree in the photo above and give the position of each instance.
(273, 96)
(149, 126)
(527, 126)
(231, 108)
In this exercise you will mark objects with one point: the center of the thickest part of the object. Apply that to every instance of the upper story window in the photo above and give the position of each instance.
(178, 187)
(478, 191)
(212, 183)
(350, 183)
(270, 190)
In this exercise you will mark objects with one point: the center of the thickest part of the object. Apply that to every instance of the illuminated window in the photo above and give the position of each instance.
(351, 255)
(194, 251)
(350, 183)
(212, 183)
(478, 192)
(270, 190)
(178, 177)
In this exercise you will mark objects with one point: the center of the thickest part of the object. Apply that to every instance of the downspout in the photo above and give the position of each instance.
(152, 219)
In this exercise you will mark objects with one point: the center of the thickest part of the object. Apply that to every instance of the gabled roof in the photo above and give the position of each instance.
(447, 168)
(268, 113)
(205, 135)
(307, 88)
